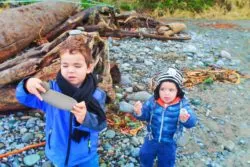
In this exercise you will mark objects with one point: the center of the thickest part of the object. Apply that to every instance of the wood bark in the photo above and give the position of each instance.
(8, 99)
(30, 62)
(20, 26)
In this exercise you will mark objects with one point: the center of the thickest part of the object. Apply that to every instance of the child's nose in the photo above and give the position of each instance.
(71, 69)
(166, 91)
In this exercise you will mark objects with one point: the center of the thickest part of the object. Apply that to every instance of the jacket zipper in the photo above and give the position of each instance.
(50, 132)
(69, 140)
(162, 119)
(89, 145)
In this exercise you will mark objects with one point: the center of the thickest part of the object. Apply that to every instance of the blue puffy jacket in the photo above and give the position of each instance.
(164, 120)
(57, 128)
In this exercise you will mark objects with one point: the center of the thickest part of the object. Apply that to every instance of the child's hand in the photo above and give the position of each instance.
(34, 86)
(184, 115)
(79, 110)
(138, 107)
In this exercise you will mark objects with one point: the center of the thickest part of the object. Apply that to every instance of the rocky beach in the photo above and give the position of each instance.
(220, 139)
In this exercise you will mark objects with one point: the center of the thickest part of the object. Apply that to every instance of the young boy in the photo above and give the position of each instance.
(71, 136)
(162, 112)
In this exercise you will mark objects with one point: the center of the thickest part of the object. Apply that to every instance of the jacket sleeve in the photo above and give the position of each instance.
(191, 122)
(146, 108)
(27, 99)
(91, 120)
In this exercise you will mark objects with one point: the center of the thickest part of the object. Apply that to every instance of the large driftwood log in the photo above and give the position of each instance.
(20, 26)
(29, 62)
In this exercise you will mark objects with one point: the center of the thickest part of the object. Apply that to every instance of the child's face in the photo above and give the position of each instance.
(168, 92)
(74, 68)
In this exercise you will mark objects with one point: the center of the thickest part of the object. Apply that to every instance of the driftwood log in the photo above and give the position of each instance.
(19, 59)
(20, 26)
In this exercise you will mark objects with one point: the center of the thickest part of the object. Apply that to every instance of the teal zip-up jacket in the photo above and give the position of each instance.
(164, 120)
(57, 128)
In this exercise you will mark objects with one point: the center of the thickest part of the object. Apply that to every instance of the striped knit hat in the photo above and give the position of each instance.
(173, 75)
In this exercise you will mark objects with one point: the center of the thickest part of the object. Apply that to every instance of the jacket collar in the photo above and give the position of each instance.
(165, 105)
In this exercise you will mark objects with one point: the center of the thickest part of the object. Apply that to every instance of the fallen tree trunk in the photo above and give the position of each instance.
(20, 26)
(30, 62)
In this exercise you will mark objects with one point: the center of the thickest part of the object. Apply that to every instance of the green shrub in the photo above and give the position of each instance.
(90, 3)
(126, 6)
(86, 4)
(208, 81)
(172, 5)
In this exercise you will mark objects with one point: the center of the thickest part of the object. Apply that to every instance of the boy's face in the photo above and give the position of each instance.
(168, 92)
(74, 68)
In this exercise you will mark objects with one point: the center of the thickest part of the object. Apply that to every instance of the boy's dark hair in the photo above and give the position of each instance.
(76, 44)
(180, 93)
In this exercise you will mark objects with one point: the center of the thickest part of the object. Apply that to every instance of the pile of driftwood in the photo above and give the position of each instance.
(30, 36)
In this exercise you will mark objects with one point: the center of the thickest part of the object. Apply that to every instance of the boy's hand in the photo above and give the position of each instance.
(34, 86)
(184, 115)
(138, 107)
(79, 110)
